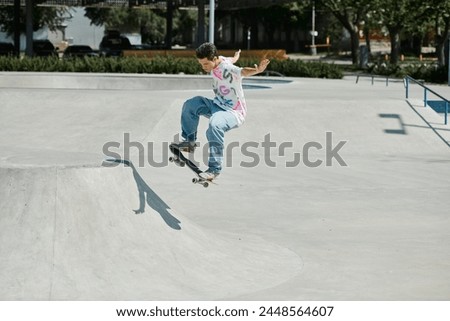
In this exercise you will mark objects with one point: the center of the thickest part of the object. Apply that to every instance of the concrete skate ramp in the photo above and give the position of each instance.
(287, 220)
(102, 233)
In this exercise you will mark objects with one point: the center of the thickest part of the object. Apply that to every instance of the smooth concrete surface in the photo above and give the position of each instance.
(101, 81)
(332, 191)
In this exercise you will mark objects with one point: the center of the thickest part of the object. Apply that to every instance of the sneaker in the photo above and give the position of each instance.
(186, 146)
(209, 176)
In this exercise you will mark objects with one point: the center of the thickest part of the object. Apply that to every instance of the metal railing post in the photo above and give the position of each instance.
(425, 100)
(446, 112)
(407, 87)
(407, 80)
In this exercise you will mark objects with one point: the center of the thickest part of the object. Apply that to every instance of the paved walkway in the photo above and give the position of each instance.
(333, 191)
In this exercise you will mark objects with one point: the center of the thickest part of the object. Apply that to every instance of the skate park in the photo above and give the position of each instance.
(332, 190)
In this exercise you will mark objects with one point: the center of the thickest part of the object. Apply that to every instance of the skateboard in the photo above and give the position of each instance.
(179, 159)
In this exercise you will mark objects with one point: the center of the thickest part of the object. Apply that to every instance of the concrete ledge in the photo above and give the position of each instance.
(73, 80)
(103, 81)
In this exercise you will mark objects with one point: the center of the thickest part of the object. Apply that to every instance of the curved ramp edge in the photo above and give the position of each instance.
(84, 233)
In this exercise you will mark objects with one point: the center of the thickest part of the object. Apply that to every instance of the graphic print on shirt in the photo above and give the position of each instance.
(217, 73)
(228, 90)
(228, 75)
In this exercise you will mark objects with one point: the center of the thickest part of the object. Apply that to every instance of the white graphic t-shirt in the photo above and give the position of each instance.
(227, 86)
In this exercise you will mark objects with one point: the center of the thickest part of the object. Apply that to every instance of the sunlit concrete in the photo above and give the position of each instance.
(332, 191)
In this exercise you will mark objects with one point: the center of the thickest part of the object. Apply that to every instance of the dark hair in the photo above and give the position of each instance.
(207, 50)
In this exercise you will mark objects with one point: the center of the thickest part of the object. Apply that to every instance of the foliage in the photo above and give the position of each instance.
(150, 23)
(351, 14)
(441, 15)
(184, 21)
(158, 65)
(169, 65)
(52, 17)
(407, 18)
(299, 68)
(428, 72)
(398, 16)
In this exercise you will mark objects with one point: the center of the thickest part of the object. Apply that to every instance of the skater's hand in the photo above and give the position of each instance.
(236, 57)
(262, 65)
(256, 69)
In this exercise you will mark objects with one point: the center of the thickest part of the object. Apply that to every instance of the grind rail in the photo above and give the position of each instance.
(409, 79)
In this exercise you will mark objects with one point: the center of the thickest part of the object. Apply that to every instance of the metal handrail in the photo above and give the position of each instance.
(373, 77)
(407, 79)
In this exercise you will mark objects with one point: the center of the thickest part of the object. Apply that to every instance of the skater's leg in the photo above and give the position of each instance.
(219, 123)
(192, 110)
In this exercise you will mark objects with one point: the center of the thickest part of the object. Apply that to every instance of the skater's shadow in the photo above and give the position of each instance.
(149, 197)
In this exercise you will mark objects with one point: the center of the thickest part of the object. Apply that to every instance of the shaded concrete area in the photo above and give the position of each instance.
(332, 191)
(71, 233)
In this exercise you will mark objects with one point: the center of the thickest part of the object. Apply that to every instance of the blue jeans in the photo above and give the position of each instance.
(220, 121)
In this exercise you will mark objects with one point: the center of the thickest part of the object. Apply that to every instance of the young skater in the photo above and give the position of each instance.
(225, 112)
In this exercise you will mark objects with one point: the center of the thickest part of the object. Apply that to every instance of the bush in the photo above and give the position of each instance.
(158, 65)
(428, 72)
(299, 68)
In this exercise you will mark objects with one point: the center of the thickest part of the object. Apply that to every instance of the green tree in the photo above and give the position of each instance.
(397, 16)
(147, 22)
(184, 22)
(52, 17)
(351, 14)
(441, 15)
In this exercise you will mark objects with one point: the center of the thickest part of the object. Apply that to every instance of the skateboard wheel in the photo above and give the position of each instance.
(195, 180)
(205, 184)
(182, 164)
(171, 159)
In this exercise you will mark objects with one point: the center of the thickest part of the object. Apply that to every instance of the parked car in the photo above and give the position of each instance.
(143, 46)
(113, 44)
(6, 49)
(44, 48)
(77, 51)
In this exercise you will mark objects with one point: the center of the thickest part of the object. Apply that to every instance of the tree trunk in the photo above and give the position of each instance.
(354, 36)
(254, 40)
(289, 42)
(353, 29)
(17, 28)
(417, 44)
(441, 40)
(367, 36)
(440, 51)
(201, 22)
(169, 25)
(394, 34)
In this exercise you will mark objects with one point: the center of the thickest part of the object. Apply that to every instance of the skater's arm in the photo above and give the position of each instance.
(236, 56)
(249, 71)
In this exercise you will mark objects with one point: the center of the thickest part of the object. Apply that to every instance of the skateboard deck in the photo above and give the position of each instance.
(179, 159)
